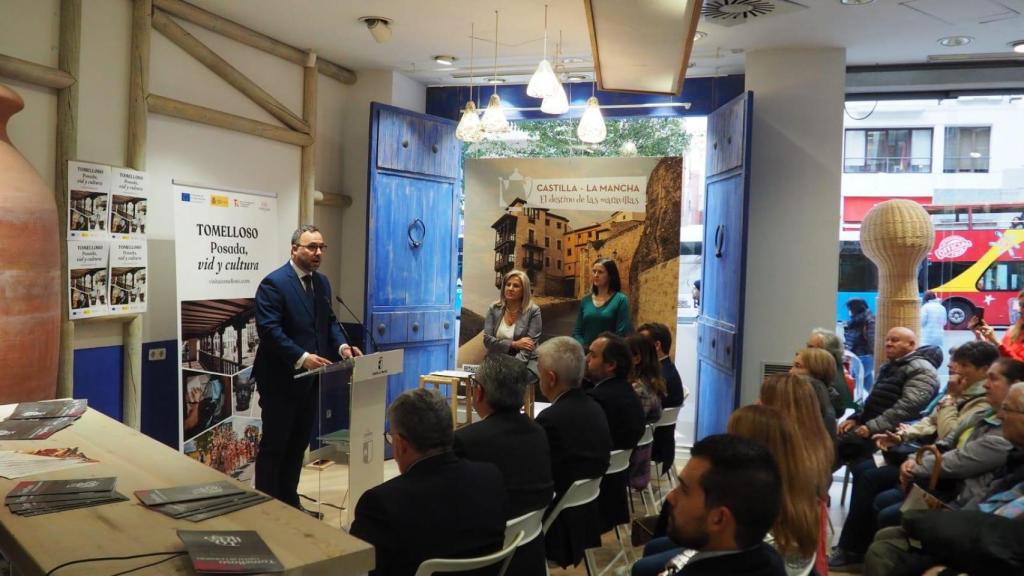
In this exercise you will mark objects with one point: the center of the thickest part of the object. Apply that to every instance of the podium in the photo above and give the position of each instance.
(363, 440)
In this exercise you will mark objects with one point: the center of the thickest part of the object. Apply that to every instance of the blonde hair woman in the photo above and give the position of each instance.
(797, 530)
(513, 323)
(818, 368)
(798, 401)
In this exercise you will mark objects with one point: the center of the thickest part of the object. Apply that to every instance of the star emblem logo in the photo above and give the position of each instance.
(988, 299)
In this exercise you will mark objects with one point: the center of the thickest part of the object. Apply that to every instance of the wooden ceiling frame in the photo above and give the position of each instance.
(692, 16)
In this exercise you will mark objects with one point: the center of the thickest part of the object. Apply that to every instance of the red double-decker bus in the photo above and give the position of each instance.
(977, 261)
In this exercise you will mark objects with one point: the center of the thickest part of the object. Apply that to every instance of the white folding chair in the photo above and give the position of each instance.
(435, 565)
(530, 524)
(669, 417)
(646, 440)
(618, 461)
(580, 493)
(857, 371)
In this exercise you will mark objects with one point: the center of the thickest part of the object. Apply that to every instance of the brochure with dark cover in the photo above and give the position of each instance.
(229, 552)
(207, 514)
(58, 497)
(187, 493)
(70, 486)
(32, 429)
(50, 409)
(181, 509)
(37, 508)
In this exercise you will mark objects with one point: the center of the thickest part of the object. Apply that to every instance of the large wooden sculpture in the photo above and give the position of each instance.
(896, 235)
(30, 278)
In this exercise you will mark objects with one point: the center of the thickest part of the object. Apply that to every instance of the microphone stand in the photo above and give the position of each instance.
(366, 329)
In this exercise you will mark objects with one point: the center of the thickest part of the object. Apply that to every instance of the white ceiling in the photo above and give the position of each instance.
(882, 32)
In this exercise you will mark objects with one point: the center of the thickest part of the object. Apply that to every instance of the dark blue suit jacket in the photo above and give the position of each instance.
(290, 323)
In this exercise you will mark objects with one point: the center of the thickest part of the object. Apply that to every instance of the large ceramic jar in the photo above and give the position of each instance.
(30, 278)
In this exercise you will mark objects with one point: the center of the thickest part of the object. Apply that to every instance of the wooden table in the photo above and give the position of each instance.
(37, 544)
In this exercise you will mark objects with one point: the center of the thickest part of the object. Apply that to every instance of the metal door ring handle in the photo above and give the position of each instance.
(405, 143)
(416, 225)
(435, 148)
(719, 240)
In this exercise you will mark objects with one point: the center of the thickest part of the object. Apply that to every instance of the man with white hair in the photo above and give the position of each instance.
(580, 443)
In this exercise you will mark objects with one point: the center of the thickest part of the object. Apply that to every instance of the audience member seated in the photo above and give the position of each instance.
(817, 366)
(608, 366)
(513, 323)
(965, 397)
(983, 539)
(440, 506)
(794, 397)
(664, 449)
(827, 340)
(729, 496)
(905, 385)
(514, 443)
(579, 444)
(650, 388)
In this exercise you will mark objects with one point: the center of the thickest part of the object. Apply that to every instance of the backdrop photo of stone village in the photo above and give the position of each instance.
(557, 249)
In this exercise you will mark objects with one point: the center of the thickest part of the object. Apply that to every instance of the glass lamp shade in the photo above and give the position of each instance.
(556, 103)
(494, 118)
(469, 128)
(543, 83)
(591, 129)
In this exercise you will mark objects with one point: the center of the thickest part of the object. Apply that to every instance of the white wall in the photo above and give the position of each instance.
(184, 151)
(792, 267)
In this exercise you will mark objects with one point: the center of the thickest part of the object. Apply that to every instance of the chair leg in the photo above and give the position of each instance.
(654, 503)
(846, 483)
(588, 562)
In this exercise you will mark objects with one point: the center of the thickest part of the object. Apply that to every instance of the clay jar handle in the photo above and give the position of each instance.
(10, 104)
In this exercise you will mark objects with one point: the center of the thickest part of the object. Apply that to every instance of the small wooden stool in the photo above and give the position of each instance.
(437, 380)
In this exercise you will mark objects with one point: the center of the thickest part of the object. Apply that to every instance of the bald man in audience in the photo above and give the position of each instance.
(904, 386)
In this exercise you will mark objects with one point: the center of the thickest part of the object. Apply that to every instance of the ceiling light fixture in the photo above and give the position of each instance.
(1018, 46)
(575, 78)
(469, 128)
(494, 120)
(557, 102)
(379, 27)
(543, 83)
(955, 41)
(699, 35)
(573, 60)
(591, 129)
(495, 80)
(855, 2)
(445, 60)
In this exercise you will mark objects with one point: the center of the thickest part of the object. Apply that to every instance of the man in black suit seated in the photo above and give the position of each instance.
(579, 441)
(608, 366)
(440, 506)
(514, 443)
(664, 448)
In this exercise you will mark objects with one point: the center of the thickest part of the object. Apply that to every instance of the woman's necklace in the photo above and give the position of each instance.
(513, 315)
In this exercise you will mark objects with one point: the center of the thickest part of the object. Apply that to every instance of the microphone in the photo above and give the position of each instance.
(366, 329)
(348, 338)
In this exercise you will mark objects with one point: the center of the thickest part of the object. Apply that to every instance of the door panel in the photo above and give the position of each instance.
(414, 177)
(720, 325)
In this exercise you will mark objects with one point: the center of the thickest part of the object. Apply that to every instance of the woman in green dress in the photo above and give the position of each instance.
(606, 308)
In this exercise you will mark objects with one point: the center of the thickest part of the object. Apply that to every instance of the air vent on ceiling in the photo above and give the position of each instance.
(736, 12)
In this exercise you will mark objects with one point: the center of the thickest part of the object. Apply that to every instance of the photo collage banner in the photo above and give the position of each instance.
(106, 233)
(225, 243)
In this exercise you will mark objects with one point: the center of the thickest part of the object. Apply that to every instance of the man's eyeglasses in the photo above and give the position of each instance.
(313, 247)
(388, 439)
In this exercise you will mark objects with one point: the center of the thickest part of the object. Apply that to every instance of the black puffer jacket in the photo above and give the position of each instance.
(903, 388)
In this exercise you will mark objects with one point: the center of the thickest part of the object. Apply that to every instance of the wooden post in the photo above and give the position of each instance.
(249, 37)
(67, 149)
(138, 87)
(185, 111)
(307, 171)
(219, 66)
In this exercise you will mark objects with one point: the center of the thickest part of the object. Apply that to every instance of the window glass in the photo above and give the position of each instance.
(889, 150)
(1002, 276)
(967, 149)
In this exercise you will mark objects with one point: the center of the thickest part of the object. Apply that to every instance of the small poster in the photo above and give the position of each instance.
(87, 279)
(128, 195)
(127, 293)
(88, 201)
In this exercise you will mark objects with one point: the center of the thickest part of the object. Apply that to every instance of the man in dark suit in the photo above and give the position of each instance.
(664, 448)
(514, 443)
(441, 506)
(608, 366)
(579, 442)
(298, 332)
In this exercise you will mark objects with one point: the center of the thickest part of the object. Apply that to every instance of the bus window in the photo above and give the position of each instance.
(856, 272)
(1002, 277)
(941, 272)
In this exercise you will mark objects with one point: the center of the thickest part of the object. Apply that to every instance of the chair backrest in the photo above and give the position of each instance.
(647, 438)
(857, 371)
(618, 461)
(530, 524)
(435, 565)
(669, 416)
(581, 492)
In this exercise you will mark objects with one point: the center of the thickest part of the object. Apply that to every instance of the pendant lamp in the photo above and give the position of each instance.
(544, 82)
(494, 120)
(469, 128)
(591, 129)
(557, 102)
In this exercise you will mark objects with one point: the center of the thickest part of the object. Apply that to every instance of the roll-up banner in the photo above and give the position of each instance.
(225, 243)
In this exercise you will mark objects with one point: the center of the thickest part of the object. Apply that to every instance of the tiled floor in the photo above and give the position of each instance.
(329, 486)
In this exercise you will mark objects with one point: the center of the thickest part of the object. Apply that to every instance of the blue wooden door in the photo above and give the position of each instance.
(415, 172)
(720, 325)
